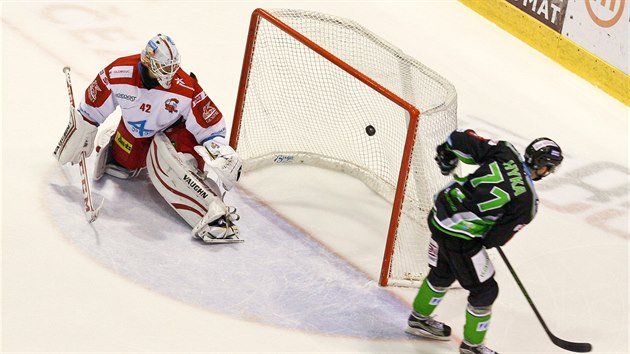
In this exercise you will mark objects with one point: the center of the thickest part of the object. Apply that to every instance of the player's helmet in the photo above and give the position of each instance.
(543, 152)
(162, 58)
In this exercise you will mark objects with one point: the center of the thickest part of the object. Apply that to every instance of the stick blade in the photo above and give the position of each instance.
(91, 214)
(571, 346)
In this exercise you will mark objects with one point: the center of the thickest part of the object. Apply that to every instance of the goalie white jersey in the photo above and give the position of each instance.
(148, 111)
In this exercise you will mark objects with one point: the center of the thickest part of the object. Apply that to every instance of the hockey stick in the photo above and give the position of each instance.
(570, 346)
(90, 213)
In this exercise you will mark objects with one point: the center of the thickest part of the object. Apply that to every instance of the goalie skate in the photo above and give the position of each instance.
(227, 239)
(213, 228)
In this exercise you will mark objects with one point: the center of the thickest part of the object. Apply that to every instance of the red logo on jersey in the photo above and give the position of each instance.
(104, 77)
(171, 105)
(93, 90)
(181, 83)
(198, 98)
(209, 112)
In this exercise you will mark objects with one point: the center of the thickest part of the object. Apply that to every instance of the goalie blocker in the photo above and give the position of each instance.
(196, 197)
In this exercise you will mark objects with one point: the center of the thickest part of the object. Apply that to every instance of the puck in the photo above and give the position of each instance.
(370, 130)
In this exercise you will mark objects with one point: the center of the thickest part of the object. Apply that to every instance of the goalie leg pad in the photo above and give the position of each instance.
(103, 151)
(197, 200)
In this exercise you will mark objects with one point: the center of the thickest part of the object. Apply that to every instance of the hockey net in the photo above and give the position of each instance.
(311, 85)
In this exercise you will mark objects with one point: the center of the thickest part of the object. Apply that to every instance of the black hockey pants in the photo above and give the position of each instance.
(454, 263)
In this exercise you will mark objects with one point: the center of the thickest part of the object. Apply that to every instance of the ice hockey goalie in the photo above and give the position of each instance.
(168, 125)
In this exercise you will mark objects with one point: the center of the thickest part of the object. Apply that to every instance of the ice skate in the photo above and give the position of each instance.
(427, 327)
(466, 348)
(219, 230)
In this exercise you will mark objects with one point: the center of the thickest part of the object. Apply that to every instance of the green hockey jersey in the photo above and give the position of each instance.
(492, 203)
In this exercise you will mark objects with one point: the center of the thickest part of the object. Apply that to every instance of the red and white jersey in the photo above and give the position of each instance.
(146, 112)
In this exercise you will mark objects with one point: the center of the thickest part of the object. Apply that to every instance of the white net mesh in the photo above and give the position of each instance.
(299, 107)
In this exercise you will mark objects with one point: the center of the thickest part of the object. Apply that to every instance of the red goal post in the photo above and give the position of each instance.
(324, 91)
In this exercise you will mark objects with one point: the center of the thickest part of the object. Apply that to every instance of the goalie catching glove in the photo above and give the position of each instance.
(221, 159)
(446, 159)
(75, 140)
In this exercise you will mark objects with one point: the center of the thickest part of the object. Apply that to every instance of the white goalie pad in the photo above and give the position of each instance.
(196, 199)
(103, 146)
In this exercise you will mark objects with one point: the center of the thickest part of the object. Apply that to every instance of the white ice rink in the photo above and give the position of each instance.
(304, 280)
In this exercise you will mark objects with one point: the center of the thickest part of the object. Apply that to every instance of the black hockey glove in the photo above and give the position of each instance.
(446, 159)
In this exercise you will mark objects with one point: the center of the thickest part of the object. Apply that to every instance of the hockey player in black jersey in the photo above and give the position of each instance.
(482, 210)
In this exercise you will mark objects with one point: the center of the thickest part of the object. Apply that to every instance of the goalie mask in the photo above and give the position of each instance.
(543, 152)
(162, 59)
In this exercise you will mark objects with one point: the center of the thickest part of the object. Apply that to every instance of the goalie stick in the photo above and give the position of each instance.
(90, 213)
(570, 346)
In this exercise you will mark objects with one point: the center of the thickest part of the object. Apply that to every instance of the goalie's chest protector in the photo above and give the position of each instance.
(146, 112)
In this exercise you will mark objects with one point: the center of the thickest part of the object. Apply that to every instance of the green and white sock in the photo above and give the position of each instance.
(428, 298)
(477, 321)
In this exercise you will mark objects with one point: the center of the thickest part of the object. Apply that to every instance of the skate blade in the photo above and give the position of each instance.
(237, 240)
(220, 240)
(424, 334)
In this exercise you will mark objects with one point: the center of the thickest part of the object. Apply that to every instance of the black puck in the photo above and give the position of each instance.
(370, 130)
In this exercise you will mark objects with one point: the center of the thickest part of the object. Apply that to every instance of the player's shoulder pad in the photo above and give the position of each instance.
(184, 84)
(127, 60)
(123, 69)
